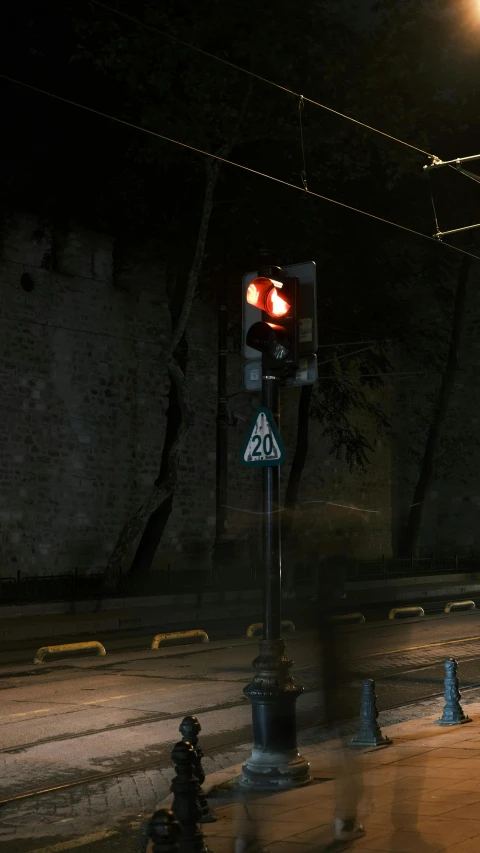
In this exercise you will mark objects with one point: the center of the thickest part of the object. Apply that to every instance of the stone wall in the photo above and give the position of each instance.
(339, 511)
(83, 399)
(452, 509)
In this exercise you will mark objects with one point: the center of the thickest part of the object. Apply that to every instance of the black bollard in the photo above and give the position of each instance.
(369, 733)
(190, 729)
(163, 832)
(453, 712)
(185, 806)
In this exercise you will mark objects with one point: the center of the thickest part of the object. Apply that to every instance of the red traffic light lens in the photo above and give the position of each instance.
(253, 294)
(275, 304)
(265, 294)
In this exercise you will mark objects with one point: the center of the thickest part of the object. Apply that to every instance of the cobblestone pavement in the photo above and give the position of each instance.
(418, 657)
(116, 813)
(122, 805)
(63, 816)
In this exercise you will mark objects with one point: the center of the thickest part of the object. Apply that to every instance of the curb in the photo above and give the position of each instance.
(139, 799)
(414, 727)
(213, 780)
(65, 619)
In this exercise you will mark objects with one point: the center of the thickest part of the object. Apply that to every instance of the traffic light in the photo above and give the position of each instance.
(271, 328)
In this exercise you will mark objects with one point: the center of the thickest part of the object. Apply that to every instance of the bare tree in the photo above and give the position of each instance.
(413, 526)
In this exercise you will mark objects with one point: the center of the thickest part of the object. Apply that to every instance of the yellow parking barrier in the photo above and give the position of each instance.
(466, 605)
(68, 647)
(285, 624)
(179, 635)
(414, 610)
(348, 617)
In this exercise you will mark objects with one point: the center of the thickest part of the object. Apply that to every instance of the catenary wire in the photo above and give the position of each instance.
(204, 153)
(437, 226)
(343, 377)
(206, 53)
(302, 503)
(346, 355)
(471, 175)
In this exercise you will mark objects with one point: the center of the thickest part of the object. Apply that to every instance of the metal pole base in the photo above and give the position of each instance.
(453, 722)
(275, 763)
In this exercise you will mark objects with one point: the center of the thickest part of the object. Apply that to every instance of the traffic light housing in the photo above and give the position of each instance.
(306, 326)
(272, 327)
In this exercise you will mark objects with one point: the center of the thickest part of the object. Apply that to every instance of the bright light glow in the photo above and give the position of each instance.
(275, 304)
(253, 294)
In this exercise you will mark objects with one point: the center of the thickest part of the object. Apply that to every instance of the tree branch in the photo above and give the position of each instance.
(165, 484)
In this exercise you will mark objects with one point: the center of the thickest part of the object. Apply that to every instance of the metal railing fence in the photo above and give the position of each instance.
(76, 585)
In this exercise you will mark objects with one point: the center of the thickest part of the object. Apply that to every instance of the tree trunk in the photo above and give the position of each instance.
(178, 424)
(155, 509)
(164, 486)
(156, 524)
(150, 539)
(293, 485)
(413, 526)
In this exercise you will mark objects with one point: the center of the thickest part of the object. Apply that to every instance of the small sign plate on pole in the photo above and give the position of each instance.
(263, 445)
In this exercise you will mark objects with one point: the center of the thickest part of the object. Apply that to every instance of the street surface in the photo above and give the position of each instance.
(117, 717)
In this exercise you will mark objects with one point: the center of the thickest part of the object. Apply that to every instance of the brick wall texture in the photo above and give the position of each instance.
(451, 510)
(83, 401)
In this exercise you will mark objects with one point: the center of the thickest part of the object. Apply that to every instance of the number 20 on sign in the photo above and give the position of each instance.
(263, 445)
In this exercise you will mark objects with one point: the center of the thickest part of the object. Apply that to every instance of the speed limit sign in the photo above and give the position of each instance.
(263, 445)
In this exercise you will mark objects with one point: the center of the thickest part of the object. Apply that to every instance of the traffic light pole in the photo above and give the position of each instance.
(275, 762)
(272, 531)
(222, 424)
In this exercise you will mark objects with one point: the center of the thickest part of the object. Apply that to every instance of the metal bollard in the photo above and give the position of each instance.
(255, 627)
(190, 729)
(185, 806)
(338, 618)
(414, 610)
(369, 733)
(163, 832)
(460, 605)
(453, 712)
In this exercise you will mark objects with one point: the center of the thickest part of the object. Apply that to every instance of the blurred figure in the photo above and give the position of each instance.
(245, 826)
(332, 664)
(334, 567)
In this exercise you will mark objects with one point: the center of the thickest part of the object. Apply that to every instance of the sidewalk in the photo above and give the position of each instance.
(421, 795)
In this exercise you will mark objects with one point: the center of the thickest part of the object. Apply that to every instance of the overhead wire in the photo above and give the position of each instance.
(302, 98)
(352, 376)
(347, 354)
(440, 234)
(437, 226)
(301, 103)
(471, 175)
(248, 169)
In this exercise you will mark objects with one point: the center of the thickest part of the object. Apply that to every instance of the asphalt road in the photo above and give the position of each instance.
(112, 721)
(302, 612)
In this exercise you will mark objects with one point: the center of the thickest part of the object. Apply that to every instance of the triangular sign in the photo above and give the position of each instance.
(263, 445)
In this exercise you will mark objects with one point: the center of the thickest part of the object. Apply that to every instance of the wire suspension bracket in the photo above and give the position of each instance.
(303, 173)
(457, 164)
(242, 166)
